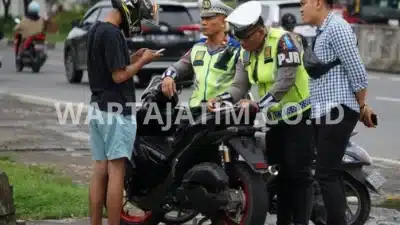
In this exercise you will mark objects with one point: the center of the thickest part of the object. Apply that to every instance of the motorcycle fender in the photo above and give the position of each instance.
(360, 175)
(249, 151)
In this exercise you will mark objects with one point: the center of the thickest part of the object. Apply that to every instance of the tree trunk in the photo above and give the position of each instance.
(26, 3)
(7, 208)
(6, 4)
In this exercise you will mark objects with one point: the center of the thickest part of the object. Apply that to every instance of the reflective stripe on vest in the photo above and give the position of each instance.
(210, 80)
(266, 70)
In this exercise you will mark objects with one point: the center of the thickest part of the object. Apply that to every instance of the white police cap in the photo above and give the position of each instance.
(213, 7)
(245, 15)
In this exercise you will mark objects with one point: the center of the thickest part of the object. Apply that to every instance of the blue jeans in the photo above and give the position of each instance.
(112, 135)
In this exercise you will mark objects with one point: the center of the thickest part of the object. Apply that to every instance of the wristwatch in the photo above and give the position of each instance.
(169, 73)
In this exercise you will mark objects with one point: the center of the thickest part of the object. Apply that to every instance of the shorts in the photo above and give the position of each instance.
(112, 135)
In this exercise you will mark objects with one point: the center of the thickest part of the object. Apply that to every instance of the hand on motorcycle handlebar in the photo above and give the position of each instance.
(211, 104)
(246, 103)
(168, 87)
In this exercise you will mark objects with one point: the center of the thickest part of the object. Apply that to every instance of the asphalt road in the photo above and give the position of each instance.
(383, 96)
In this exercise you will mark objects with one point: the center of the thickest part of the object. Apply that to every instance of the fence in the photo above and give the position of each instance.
(379, 47)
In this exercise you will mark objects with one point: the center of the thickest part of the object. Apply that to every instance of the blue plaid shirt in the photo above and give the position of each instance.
(335, 39)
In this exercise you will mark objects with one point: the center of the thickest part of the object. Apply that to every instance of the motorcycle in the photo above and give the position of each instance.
(197, 166)
(357, 183)
(34, 55)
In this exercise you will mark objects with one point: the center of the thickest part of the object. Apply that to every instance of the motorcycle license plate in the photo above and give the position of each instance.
(376, 179)
(39, 47)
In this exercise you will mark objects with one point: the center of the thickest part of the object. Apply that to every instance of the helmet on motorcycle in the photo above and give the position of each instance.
(288, 21)
(34, 7)
(133, 12)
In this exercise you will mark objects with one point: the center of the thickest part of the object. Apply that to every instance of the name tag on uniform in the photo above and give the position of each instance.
(267, 55)
(198, 58)
(246, 58)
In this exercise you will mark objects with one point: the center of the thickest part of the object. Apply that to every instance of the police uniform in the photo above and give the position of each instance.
(212, 66)
(284, 94)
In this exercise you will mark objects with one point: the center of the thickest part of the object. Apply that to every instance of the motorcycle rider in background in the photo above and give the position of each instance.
(29, 26)
(272, 58)
(212, 60)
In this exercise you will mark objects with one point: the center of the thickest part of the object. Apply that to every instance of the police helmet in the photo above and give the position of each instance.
(245, 18)
(288, 21)
(33, 7)
(133, 12)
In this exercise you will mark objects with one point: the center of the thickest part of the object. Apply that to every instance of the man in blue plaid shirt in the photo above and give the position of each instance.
(338, 89)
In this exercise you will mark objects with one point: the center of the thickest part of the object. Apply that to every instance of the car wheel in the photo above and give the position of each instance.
(73, 75)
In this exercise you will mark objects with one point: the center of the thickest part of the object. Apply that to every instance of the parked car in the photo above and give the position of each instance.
(177, 32)
(194, 10)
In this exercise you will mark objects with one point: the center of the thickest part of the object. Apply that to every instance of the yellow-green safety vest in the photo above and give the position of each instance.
(211, 79)
(297, 99)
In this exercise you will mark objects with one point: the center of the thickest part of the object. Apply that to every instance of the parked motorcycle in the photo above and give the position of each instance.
(197, 166)
(34, 56)
(357, 182)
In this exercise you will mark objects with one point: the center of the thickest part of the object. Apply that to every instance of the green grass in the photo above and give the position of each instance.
(391, 203)
(41, 193)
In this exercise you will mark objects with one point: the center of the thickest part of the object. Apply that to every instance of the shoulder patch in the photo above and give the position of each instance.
(233, 42)
(288, 42)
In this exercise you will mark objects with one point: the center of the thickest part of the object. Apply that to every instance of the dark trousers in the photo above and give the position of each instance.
(289, 146)
(331, 141)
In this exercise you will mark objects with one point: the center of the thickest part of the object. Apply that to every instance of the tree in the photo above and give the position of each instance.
(26, 3)
(6, 4)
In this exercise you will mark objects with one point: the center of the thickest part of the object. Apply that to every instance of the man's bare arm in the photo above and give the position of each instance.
(123, 75)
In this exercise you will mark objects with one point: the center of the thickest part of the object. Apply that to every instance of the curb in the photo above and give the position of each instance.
(43, 149)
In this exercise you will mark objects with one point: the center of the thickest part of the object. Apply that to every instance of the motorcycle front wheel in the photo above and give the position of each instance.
(255, 196)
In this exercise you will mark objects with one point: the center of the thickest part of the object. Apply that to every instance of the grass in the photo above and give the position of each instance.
(392, 202)
(41, 193)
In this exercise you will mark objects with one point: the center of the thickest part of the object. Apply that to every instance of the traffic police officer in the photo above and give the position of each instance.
(212, 60)
(272, 59)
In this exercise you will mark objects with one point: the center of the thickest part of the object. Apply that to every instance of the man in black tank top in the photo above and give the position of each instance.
(112, 123)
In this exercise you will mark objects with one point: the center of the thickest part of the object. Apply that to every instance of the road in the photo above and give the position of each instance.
(383, 96)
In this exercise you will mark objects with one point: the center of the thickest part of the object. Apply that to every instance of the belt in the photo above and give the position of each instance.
(289, 110)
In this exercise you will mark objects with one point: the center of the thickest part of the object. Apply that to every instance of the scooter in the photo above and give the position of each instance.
(34, 56)
(357, 183)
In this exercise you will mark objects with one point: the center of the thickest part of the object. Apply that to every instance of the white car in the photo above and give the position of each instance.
(273, 10)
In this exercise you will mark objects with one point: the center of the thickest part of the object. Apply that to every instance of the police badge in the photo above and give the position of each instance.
(206, 4)
(267, 55)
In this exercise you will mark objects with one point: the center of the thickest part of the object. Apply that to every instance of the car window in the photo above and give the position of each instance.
(265, 12)
(91, 18)
(290, 8)
(104, 12)
(174, 15)
(195, 13)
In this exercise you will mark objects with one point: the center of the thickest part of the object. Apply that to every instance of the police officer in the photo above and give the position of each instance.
(212, 60)
(288, 22)
(272, 59)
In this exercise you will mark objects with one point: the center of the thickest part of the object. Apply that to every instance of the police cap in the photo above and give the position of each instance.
(210, 8)
(245, 17)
